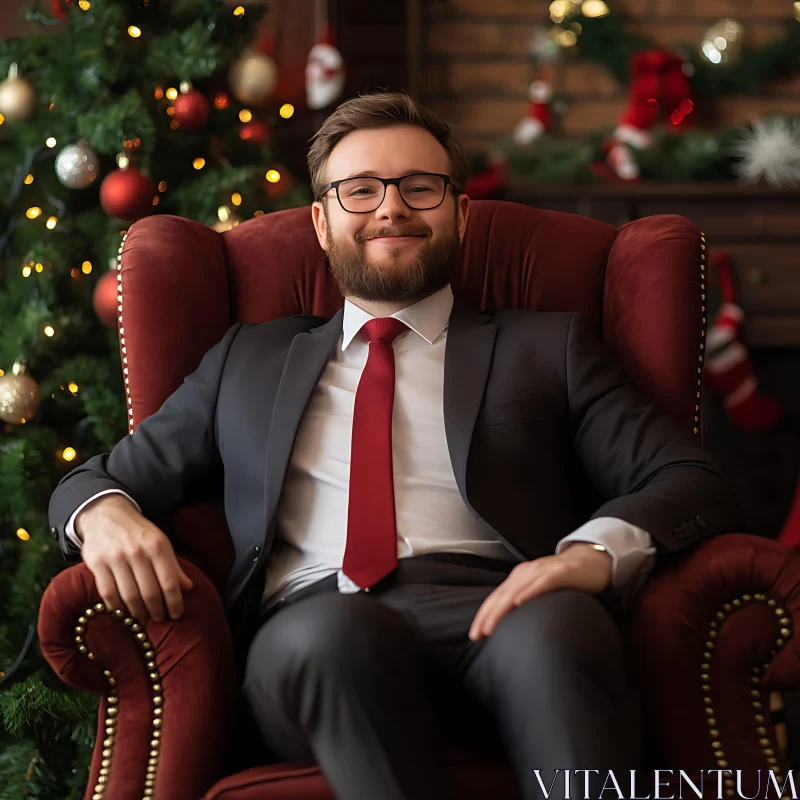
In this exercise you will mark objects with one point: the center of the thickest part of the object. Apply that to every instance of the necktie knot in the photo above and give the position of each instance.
(387, 328)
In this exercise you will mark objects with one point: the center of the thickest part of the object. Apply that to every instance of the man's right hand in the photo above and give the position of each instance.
(132, 560)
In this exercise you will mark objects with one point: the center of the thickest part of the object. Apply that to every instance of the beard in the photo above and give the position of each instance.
(429, 270)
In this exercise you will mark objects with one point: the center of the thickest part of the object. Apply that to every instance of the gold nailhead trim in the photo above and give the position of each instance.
(696, 428)
(764, 742)
(121, 327)
(113, 700)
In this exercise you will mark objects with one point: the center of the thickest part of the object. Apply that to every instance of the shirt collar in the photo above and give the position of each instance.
(427, 317)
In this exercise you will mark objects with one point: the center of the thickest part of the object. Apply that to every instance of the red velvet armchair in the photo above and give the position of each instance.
(711, 634)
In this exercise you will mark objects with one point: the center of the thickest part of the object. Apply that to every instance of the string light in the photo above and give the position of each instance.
(26, 271)
(273, 176)
(236, 199)
(123, 162)
(73, 387)
(158, 93)
(2, 119)
(172, 93)
(199, 163)
(238, 11)
(85, 5)
(68, 454)
(287, 109)
(33, 212)
(51, 141)
(28, 179)
(51, 223)
(245, 115)
(86, 267)
(134, 32)
(49, 331)
(39, 267)
(594, 8)
(23, 534)
(162, 186)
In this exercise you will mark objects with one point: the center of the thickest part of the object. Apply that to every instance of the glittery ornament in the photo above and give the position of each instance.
(252, 78)
(77, 165)
(19, 396)
(17, 97)
(191, 110)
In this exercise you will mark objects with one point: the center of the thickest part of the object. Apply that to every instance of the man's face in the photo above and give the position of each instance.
(395, 252)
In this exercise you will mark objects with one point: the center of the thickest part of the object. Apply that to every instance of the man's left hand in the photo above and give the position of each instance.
(579, 566)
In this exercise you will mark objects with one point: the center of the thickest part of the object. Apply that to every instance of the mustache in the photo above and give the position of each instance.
(363, 236)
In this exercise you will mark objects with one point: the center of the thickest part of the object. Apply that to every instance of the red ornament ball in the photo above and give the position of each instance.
(254, 131)
(127, 194)
(59, 8)
(104, 299)
(191, 110)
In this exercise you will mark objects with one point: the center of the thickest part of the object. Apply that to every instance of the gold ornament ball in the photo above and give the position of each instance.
(17, 99)
(252, 78)
(19, 398)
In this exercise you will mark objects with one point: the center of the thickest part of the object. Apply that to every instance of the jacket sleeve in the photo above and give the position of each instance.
(654, 475)
(156, 464)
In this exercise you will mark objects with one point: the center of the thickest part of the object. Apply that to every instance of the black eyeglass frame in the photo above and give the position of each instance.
(389, 182)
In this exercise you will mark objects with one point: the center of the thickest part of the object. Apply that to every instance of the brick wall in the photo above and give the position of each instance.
(476, 70)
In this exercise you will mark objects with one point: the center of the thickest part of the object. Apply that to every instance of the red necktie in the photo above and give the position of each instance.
(371, 549)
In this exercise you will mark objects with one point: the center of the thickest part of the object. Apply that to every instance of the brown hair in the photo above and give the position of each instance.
(380, 110)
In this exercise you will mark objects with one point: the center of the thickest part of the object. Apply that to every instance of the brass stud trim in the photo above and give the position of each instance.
(760, 730)
(113, 699)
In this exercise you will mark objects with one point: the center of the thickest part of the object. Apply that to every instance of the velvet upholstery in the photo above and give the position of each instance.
(710, 635)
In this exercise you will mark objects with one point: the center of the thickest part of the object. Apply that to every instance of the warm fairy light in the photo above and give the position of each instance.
(84, 5)
(797, 11)
(68, 454)
(567, 38)
(594, 8)
(170, 111)
(287, 109)
(162, 186)
(2, 119)
(73, 387)
(245, 115)
(23, 534)
(156, 200)
(158, 92)
(1, 373)
(223, 213)
(51, 223)
(50, 141)
(49, 331)
(123, 162)
(199, 163)
(238, 11)
(558, 10)
(174, 124)
(258, 213)
(172, 93)
(134, 32)
(273, 176)
(236, 199)
(39, 267)
(222, 101)
(86, 267)
(28, 179)
(26, 271)
(33, 212)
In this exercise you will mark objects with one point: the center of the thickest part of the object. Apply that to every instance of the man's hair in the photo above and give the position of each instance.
(380, 110)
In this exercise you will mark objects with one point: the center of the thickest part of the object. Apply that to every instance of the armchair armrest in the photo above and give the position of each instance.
(167, 715)
(711, 635)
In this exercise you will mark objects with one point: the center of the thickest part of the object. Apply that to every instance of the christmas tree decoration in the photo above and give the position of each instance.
(19, 396)
(105, 297)
(17, 96)
(254, 131)
(253, 78)
(59, 8)
(127, 194)
(226, 219)
(539, 119)
(325, 72)
(769, 152)
(77, 165)
(191, 108)
(722, 42)
(728, 365)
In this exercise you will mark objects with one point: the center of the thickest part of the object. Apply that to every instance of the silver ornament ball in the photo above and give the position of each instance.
(77, 166)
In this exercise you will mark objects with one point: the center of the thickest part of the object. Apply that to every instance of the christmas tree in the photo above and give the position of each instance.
(115, 110)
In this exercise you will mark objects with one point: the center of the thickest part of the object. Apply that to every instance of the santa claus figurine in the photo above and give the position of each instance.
(324, 74)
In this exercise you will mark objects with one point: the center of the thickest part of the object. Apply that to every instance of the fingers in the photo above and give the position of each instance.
(171, 579)
(493, 609)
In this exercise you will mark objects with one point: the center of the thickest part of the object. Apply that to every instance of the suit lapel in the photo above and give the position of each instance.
(468, 354)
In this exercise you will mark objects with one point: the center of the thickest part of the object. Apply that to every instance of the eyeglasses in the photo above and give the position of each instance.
(421, 191)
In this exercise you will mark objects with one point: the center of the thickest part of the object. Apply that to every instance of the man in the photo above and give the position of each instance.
(423, 567)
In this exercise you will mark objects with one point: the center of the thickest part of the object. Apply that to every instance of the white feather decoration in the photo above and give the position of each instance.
(770, 152)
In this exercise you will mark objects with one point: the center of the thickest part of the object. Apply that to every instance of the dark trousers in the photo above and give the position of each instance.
(370, 686)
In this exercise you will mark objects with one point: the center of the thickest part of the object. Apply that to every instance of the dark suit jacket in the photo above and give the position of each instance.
(544, 432)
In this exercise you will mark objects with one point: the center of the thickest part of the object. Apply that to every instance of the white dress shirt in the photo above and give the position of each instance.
(431, 515)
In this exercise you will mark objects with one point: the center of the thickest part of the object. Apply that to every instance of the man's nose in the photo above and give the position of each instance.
(392, 206)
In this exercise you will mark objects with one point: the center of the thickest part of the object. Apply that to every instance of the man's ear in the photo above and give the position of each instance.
(320, 224)
(463, 215)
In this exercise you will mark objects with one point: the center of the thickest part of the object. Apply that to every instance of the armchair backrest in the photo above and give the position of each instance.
(642, 287)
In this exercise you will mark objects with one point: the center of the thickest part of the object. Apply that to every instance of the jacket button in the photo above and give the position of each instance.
(256, 551)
